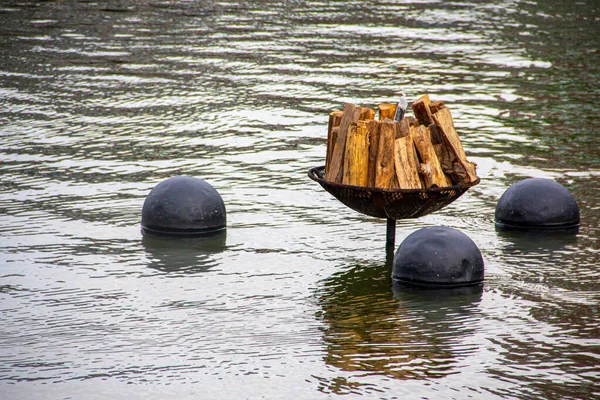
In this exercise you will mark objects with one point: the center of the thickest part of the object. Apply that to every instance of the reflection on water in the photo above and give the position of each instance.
(537, 241)
(101, 100)
(402, 333)
(181, 254)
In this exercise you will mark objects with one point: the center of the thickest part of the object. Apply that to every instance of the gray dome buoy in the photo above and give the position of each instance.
(183, 206)
(438, 257)
(537, 204)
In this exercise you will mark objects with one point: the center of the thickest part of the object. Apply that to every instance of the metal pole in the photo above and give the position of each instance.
(390, 237)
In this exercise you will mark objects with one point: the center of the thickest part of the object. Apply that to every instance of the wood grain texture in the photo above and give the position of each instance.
(367, 113)
(435, 106)
(402, 128)
(386, 110)
(406, 164)
(462, 170)
(335, 118)
(356, 159)
(385, 176)
(421, 110)
(373, 128)
(430, 168)
(335, 171)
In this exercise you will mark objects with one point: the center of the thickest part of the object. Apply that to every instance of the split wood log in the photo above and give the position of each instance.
(413, 153)
(373, 127)
(430, 168)
(436, 135)
(367, 113)
(385, 176)
(334, 121)
(335, 171)
(462, 171)
(402, 128)
(422, 111)
(386, 110)
(435, 106)
(412, 121)
(356, 159)
(406, 163)
(446, 157)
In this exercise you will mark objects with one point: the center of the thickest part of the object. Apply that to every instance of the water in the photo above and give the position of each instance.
(102, 100)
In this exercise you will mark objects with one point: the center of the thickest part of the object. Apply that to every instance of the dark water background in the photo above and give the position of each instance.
(102, 100)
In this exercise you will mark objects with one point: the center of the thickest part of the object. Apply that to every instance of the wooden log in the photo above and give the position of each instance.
(446, 158)
(385, 176)
(430, 167)
(386, 110)
(402, 128)
(422, 111)
(373, 127)
(335, 171)
(412, 121)
(436, 135)
(406, 163)
(367, 113)
(435, 106)
(334, 121)
(462, 170)
(356, 159)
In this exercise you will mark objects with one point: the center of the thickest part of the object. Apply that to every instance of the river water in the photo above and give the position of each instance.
(102, 100)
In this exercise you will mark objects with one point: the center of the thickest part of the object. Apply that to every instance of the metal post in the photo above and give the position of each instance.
(390, 238)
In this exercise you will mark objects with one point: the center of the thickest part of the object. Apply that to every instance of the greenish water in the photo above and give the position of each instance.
(102, 100)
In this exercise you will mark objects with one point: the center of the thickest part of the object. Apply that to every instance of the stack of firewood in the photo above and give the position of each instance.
(423, 151)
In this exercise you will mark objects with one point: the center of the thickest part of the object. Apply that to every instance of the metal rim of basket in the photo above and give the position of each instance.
(315, 174)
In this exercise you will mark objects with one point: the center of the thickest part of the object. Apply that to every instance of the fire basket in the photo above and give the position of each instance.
(392, 204)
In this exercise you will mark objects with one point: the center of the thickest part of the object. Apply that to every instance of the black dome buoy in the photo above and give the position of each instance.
(183, 206)
(537, 204)
(438, 257)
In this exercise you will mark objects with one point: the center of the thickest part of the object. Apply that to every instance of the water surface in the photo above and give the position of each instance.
(102, 100)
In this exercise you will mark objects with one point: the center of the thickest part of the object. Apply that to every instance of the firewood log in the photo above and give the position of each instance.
(356, 159)
(435, 106)
(367, 113)
(402, 128)
(406, 163)
(436, 136)
(373, 127)
(335, 171)
(334, 121)
(422, 111)
(412, 121)
(385, 176)
(446, 157)
(462, 170)
(386, 110)
(430, 167)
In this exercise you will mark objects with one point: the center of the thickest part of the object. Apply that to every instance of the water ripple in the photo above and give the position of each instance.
(100, 101)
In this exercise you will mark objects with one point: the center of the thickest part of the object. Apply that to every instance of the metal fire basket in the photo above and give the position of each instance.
(392, 204)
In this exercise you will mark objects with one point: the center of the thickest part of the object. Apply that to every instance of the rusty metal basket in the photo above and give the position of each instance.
(393, 204)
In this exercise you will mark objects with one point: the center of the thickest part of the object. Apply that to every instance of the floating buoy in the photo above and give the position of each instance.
(438, 257)
(537, 204)
(183, 206)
